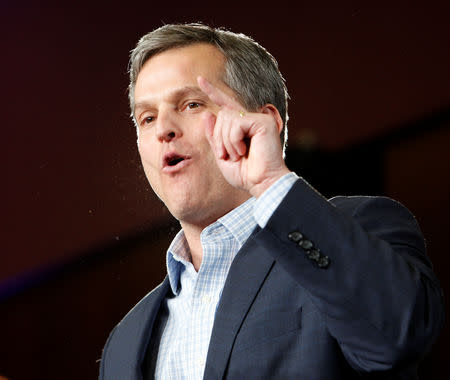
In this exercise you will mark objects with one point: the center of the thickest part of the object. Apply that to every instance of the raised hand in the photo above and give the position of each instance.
(247, 145)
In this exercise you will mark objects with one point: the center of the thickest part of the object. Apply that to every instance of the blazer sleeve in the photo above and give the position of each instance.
(363, 261)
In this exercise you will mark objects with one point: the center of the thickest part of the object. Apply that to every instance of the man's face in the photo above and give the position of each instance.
(172, 113)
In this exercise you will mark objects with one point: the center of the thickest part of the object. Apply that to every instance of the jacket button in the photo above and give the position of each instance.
(323, 262)
(305, 244)
(314, 254)
(295, 236)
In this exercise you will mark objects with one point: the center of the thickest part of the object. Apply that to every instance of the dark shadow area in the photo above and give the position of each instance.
(56, 329)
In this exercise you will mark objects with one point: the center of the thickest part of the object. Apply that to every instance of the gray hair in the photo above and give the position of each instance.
(250, 70)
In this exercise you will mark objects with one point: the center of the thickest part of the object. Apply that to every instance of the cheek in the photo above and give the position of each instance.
(147, 151)
(150, 161)
(152, 174)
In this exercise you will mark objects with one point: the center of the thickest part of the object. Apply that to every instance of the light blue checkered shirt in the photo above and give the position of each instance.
(189, 317)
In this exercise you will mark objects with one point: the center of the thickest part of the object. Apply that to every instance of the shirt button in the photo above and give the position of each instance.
(206, 299)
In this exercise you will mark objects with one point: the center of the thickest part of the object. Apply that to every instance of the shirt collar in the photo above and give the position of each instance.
(239, 222)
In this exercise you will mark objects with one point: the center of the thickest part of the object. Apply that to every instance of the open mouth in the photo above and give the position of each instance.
(173, 159)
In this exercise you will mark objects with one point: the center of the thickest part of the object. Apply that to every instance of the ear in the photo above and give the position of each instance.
(270, 109)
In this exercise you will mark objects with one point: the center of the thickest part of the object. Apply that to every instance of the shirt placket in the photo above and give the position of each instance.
(201, 320)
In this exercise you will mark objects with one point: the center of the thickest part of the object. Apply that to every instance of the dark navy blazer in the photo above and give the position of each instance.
(338, 289)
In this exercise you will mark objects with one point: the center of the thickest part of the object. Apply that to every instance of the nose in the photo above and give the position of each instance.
(167, 126)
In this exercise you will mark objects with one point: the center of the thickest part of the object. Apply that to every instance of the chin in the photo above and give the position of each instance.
(182, 210)
(200, 216)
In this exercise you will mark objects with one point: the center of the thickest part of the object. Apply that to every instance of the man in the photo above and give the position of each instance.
(266, 279)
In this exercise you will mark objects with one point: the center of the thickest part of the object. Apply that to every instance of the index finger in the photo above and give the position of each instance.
(217, 95)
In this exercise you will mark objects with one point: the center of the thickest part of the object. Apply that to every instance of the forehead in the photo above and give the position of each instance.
(180, 67)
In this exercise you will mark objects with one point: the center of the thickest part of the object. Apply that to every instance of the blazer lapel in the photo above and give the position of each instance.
(152, 310)
(247, 273)
(132, 338)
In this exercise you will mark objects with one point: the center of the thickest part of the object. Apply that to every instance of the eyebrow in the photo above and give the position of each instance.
(173, 96)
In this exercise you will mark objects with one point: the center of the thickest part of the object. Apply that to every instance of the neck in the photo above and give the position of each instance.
(192, 233)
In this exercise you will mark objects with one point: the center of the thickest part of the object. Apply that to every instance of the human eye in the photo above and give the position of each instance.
(147, 120)
(193, 105)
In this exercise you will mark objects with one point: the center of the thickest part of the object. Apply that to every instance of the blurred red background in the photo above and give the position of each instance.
(356, 72)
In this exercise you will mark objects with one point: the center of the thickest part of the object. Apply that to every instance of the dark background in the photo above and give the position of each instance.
(83, 236)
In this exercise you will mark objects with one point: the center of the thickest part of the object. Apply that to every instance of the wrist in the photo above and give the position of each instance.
(258, 189)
